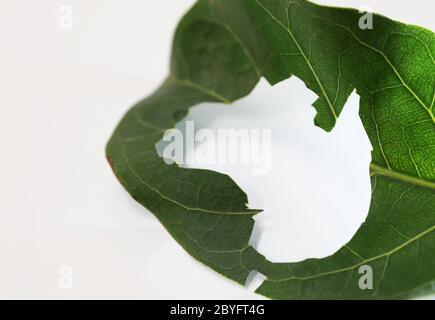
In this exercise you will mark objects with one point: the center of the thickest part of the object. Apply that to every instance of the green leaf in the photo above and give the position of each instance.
(220, 51)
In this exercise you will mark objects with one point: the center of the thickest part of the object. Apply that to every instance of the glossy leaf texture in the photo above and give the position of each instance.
(220, 51)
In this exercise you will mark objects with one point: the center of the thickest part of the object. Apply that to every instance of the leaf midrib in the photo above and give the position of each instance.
(376, 169)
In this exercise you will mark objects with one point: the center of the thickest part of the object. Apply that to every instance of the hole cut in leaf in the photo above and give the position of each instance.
(391, 68)
(309, 169)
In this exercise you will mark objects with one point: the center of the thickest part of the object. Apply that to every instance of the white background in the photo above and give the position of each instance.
(61, 94)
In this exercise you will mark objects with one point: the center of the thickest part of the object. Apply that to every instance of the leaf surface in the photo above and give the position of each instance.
(220, 51)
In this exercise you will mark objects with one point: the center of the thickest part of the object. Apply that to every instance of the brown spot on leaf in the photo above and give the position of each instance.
(111, 163)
